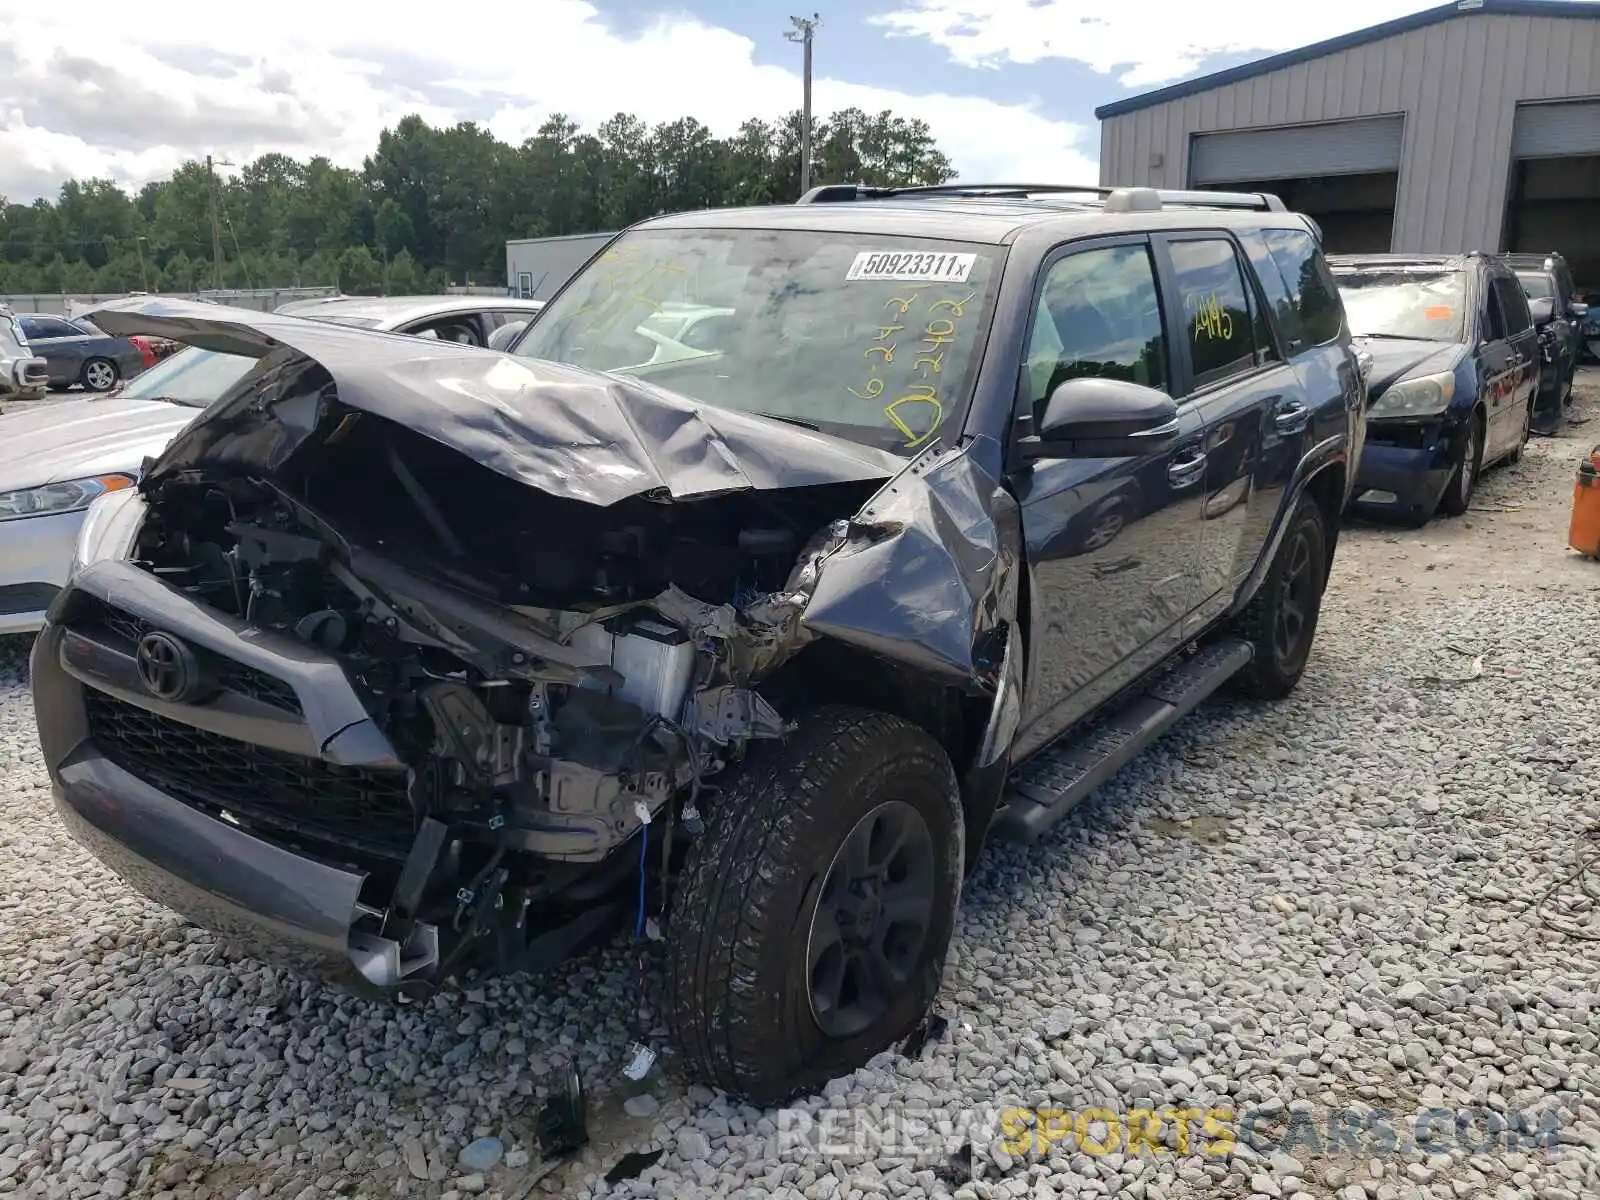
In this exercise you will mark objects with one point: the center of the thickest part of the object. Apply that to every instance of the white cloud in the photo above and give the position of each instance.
(1145, 43)
(180, 80)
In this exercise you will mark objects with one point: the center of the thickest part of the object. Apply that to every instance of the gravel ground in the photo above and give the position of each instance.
(1305, 912)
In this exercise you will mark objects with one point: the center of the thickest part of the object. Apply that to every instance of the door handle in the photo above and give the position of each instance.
(1292, 417)
(1183, 472)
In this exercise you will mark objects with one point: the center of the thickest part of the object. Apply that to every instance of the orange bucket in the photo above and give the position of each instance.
(1584, 534)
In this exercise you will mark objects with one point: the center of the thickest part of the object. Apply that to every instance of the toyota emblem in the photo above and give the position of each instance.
(167, 668)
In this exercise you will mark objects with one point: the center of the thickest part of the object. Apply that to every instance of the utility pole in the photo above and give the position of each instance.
(144, 275)
(804, 30)
(216, 227)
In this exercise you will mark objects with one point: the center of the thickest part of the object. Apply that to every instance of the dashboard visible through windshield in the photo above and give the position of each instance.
(870, 338)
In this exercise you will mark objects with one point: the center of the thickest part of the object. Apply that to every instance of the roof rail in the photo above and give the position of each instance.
(1115, 199)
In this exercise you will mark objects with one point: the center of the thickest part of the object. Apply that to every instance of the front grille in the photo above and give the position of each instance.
(263, 789)
(94, 616)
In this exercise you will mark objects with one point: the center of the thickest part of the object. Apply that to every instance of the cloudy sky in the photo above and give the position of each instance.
(89, 87)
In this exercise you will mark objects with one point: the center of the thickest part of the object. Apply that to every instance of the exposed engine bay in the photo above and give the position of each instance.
(555, 671)
(555, 676)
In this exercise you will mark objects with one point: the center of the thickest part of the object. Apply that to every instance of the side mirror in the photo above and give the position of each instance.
(1103, 418)
(1543, 310)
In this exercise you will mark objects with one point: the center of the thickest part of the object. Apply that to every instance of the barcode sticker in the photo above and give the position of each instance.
(909, 266)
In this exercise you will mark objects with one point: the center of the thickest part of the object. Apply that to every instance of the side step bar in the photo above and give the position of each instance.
(1054, 781)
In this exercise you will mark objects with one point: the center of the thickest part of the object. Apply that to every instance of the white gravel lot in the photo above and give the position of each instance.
(1307, 911)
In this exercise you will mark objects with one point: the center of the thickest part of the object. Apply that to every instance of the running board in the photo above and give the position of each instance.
(1054, 781)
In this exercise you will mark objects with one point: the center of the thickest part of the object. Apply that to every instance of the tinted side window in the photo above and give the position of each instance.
(1310, 283)
(1494, 322)
(1278, 297)
(1099, 314)
(1513, 305)
(1216, 311)
(54, 327)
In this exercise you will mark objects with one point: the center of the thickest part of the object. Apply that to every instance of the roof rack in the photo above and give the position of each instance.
(1114, 199)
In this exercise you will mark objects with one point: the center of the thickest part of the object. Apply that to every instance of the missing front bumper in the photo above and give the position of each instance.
(275, 905)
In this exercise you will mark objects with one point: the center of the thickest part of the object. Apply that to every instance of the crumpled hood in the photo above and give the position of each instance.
(53, 440)
(569, 432)
(1394, 359)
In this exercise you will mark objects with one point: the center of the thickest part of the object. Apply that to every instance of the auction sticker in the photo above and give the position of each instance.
(911, 266)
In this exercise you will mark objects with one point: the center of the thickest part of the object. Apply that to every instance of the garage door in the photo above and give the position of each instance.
(1297, 151)
(1553, 130)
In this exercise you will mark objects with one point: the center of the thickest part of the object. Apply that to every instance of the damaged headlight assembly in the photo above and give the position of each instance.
(110, 528)
(1424, 396)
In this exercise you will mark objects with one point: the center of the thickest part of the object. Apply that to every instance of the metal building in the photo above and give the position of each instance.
(1474, 126)
(537, 267)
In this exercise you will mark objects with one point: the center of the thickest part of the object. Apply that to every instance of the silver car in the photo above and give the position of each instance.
(57, 458)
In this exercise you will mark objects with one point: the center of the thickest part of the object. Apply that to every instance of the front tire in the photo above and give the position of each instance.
(1280, 622)
(810, 927)
(1457, 496)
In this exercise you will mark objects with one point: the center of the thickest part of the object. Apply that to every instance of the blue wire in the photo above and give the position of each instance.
(644, 846)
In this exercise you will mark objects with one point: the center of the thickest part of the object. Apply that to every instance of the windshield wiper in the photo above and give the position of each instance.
(800, 421)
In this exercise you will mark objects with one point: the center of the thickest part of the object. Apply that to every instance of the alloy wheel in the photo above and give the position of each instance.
(1296, 601)
(872, 916)
(100, 376)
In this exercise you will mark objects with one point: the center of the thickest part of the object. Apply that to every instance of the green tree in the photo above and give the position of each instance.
(431, 204)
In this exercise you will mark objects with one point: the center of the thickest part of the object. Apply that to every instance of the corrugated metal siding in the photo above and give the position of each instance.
(1457, 82)
(1335, 147)
(1551, 130)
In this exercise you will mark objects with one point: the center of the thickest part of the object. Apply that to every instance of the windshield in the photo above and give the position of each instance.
(191, 376)
(870, 338)
(1429, 305)
(1536, 284)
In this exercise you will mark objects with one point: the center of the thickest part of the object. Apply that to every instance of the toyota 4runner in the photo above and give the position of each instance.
(743, 630)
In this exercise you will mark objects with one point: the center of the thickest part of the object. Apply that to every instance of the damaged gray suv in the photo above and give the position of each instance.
(789, 554)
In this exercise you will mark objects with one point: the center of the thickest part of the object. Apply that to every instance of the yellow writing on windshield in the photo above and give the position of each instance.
(923, 395)
(916, 411)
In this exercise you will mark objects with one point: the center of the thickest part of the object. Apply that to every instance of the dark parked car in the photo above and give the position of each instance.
(406, 657)
(1589, 327)
(1455, 361)
(79, 352)
(1557, 314)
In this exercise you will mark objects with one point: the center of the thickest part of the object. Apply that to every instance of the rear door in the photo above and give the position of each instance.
(1527, 360)
(1249, 400)
(1500, 371)
(1113, 543)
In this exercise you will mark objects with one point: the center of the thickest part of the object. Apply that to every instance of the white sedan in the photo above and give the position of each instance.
(56, 458)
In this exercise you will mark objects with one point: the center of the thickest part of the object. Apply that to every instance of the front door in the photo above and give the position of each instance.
(1526, 355)
(1501, 372)
(1113, 544)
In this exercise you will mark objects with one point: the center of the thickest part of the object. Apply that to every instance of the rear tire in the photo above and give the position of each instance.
(99, 375)
(794, 955)
(1522, 444)
(1458, 492)
(1280, 622)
